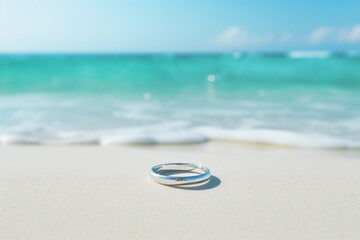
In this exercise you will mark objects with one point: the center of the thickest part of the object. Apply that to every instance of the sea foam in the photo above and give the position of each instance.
(309, 54)
(195, 135)
(277, 137)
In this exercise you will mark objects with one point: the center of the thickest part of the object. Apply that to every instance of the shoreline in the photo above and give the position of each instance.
(184, 140)
(209, 146)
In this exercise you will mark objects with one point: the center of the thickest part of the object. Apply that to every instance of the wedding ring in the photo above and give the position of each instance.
(176, 174)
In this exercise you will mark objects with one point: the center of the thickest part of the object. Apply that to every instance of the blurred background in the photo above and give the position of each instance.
(180, 72)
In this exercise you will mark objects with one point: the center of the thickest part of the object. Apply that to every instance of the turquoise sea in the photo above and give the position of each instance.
(296, 99)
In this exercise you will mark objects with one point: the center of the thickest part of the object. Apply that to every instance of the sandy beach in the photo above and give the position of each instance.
(91, 192)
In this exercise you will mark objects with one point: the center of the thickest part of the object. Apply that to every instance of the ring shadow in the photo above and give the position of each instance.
(213, 182)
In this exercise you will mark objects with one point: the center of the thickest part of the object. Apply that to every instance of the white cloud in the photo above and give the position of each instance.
(235, 36)
(350, 36)
(320, 34)
(232, 35)
(335, 35)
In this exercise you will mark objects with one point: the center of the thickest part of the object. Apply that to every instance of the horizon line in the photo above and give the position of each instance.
(178, 52)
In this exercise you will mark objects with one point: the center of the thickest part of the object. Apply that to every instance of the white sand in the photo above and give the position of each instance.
(105, 193)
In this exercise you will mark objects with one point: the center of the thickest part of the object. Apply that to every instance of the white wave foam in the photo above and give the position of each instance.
(279, 137)
(179, 133)
(309, 54)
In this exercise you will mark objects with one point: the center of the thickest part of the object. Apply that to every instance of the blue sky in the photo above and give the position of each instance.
(177, 25)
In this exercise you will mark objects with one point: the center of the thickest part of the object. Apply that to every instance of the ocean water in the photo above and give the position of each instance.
(298, 99)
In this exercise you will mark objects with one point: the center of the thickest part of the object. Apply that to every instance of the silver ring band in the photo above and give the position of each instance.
(203, 173)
